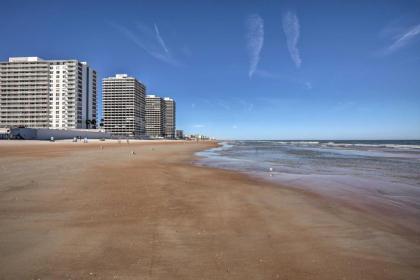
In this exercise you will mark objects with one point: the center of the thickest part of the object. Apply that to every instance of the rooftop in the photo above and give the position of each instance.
(118, 77)
(25, 59)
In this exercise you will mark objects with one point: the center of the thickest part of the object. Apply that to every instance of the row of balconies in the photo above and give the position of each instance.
(24, 78)
(21, 67)
(23, 73)
(118, 101)
(4, 76)
(25, 122)
(17, 86)
(123, 93)
(128, 90)
(24, 109)
(19, 116)
(121, 124)
(112, 85)
(9, 93)
(20, 106)
(122, 119)
(119, 116)
(23, 100)
(119, 107)
(23, 84)
(24, 96)
(23, 92)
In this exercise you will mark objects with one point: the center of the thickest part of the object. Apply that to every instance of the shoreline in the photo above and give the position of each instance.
(81, 212)
(361, 194)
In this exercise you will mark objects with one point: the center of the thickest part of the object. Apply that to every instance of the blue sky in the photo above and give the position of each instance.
(245, 69)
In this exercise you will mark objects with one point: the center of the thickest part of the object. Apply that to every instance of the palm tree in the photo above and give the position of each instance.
(87, 124)
(93, 122)
(101, 124)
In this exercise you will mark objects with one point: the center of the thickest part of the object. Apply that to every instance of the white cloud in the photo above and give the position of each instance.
(403, 38)
(255, 41)
(291, 29)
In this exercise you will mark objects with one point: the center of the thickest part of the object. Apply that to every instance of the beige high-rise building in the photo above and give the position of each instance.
(155, 116)
(170, 118)
(160, 117)
(47, 93)
(123, 100)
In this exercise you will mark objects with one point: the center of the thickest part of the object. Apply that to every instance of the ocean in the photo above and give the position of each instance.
(380, 175)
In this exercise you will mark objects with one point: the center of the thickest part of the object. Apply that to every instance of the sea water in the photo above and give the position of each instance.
(375, 175)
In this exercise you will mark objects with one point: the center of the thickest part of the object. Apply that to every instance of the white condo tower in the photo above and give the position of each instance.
(47, 93)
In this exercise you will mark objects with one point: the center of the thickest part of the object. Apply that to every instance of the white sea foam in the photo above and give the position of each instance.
(347, 145)
(365, 145)
(298, 142)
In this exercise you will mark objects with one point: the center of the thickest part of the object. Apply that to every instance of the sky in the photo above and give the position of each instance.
(244, 69)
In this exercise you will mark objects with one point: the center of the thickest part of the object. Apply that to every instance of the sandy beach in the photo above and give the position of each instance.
(143, 210)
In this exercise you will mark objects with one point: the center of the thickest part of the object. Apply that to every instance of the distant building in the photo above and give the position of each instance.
(39, 93)
(123, 100)
(179, 134)
(170, 118)
(155, 116)
(197, 137)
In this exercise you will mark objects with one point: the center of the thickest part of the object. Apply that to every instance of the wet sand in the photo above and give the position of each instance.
(76, 211)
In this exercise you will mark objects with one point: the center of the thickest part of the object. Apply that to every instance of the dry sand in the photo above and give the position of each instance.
(76, 211)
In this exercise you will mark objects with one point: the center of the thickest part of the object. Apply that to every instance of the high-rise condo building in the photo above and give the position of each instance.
(47, 93)
(124, 105)
(155, 116)
(170, 120)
